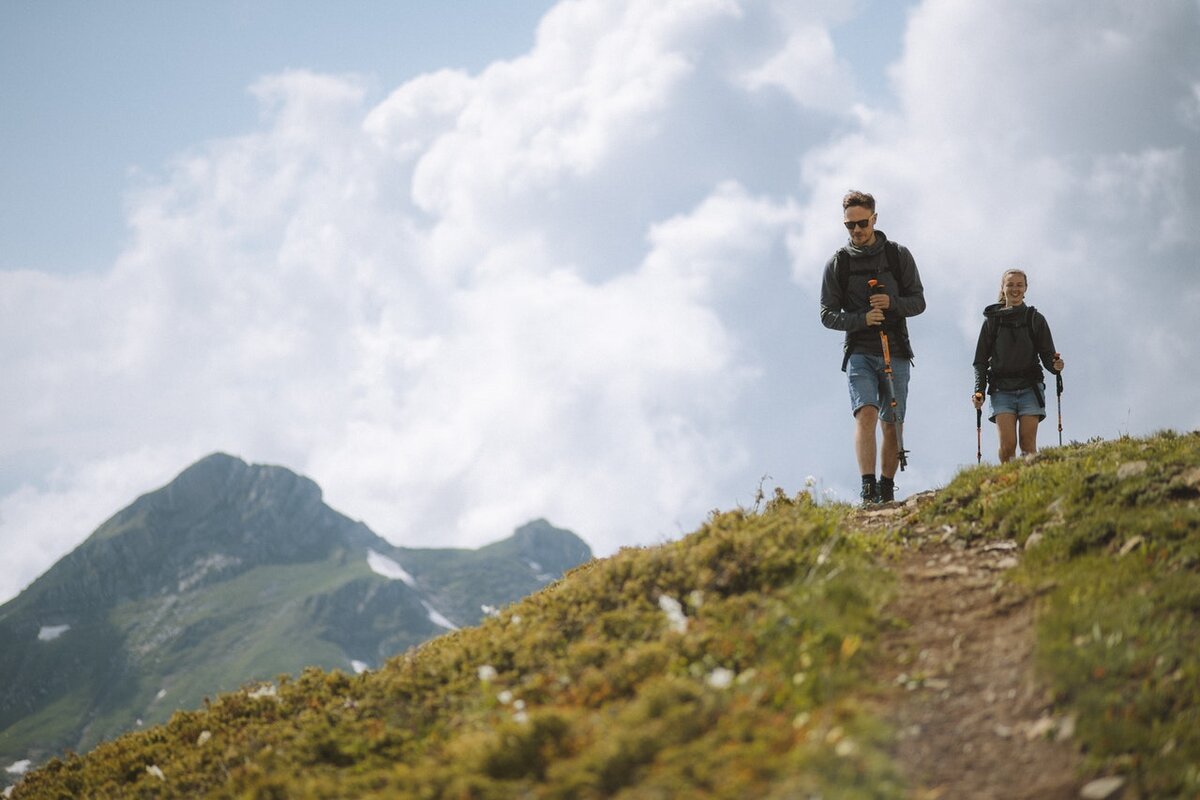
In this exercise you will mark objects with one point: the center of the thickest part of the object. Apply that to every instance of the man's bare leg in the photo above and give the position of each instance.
(864, 439)
(890, 459)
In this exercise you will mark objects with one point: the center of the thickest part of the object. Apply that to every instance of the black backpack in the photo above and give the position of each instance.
(1014, 356)
(842, 270)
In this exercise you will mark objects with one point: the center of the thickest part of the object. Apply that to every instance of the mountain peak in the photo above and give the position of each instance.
(220, 511)
(222, 476)
(554, 549)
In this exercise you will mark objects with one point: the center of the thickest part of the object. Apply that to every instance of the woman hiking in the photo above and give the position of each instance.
(1013, 339)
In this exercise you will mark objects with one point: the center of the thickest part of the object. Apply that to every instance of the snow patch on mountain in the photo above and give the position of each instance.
(389, 568)
(49, 633)
(542, 575)
(437, 619)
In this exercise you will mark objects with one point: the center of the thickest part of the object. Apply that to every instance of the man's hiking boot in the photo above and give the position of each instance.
(870, 492)
(887, 490)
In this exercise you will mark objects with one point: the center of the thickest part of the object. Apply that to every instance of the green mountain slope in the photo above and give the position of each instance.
(232, 572)
(744, 660)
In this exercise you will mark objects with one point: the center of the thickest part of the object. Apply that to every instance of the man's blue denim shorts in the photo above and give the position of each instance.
(869, 385)
(1023, 403)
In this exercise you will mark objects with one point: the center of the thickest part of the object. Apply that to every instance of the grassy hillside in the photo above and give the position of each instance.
(735, 663)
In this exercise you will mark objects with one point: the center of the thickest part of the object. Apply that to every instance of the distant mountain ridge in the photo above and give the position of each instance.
(230, 573)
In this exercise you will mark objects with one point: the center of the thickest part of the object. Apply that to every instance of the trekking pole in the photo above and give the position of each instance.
(979, 430)
(877, 288)
(1058, 380)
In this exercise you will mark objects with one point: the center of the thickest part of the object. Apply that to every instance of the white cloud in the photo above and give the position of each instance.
(582, 283)
(808, 69)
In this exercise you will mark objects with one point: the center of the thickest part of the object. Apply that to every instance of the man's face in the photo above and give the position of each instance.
(862, 231)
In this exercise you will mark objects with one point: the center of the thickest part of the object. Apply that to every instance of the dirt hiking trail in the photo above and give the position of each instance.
(974, 723)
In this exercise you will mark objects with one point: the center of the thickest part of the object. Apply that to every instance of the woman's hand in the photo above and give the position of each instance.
(977, 400)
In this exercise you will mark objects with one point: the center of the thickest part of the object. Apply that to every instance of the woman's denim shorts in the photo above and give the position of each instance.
(1023, 403)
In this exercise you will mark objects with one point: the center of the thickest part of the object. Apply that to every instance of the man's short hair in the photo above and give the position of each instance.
(857, 198)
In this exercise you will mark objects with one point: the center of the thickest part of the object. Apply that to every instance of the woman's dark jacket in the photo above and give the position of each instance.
(1011, 342)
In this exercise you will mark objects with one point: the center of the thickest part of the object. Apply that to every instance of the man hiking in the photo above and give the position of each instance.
(870, 286)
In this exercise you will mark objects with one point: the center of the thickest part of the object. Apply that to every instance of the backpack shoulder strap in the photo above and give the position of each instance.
(841, 268)
(892, 251)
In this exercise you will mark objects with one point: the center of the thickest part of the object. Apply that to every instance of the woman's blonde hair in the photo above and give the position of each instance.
(1004, 277)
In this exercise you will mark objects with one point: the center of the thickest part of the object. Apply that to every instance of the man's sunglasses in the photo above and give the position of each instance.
(861, 223)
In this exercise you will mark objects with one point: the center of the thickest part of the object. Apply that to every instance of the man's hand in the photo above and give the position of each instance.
(875, 316)
(881, 301)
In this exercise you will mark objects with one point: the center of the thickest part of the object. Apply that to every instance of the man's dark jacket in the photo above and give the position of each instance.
(846, 309)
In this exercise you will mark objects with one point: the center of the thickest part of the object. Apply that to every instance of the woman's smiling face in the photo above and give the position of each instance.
(1014, 286)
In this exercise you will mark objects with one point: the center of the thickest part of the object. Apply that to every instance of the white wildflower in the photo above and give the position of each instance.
(505, 697)
(720, 678)
(266, 690)
(154, 770)
(845, 748)
(203, 738)
(487, 673)
(674, 611)
(810, 481)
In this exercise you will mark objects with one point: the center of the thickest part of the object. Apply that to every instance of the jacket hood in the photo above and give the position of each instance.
(863, 252)
(999, 310)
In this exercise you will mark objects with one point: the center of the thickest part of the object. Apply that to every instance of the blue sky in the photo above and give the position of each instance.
(97, 93)
(466, 264)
